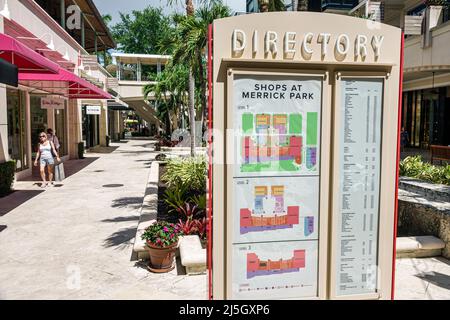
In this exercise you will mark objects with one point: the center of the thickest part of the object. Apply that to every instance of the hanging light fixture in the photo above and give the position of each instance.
(51, 45)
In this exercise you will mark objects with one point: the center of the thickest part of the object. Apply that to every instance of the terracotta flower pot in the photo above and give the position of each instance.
(161, 259)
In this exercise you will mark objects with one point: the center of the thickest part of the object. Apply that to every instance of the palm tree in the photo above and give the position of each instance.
(190, 13)
(193, 33)
(169, 92)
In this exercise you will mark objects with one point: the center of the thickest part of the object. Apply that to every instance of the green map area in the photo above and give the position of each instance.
(281, 165)
(311, 128)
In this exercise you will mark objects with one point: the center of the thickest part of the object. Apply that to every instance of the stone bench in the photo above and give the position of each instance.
(424, 210)
(419, 247)
(193, 256)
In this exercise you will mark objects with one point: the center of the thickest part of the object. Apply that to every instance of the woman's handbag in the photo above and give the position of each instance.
(59, 172)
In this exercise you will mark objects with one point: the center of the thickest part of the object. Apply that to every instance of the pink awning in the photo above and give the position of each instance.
(26, 59)
(63, 83)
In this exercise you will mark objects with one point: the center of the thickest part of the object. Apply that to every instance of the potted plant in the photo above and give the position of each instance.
(162, 240)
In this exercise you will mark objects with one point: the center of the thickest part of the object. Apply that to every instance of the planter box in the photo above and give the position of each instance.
(149, 211)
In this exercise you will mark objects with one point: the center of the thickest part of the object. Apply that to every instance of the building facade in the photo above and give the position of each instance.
(252, 6)
(426, 86)
(69, 36)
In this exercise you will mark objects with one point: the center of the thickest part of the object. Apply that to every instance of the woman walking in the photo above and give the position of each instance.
(46, 151)
(51, 136)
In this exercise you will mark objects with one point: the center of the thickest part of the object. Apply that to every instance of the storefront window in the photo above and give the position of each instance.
(60, 129)
(17, 146)
(39, 122)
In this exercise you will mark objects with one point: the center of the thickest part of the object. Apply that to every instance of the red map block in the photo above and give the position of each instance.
(246, 218)
(295, 148)
(299, 259)
(293, 214)
(252, 262)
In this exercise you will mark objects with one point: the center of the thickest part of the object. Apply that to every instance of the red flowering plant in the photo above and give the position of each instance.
(202, 228)
(162, 234)
(188, 227)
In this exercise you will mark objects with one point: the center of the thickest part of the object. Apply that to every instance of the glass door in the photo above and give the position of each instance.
(16, 129)
(39, 121)
(60, 129)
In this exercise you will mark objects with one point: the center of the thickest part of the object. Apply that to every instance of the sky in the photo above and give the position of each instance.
(113, 7)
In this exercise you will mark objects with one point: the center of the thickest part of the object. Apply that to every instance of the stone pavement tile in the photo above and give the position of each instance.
(422, 278)
(435, 292)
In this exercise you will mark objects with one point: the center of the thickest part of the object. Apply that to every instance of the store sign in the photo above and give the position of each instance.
(52, 103)
(276, 186)
(96, 110)
(288, 43)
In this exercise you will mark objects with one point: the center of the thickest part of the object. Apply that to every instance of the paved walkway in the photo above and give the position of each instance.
(422, 279)
(75, 241)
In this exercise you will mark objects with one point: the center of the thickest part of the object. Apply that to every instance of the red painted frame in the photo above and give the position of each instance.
(400, 98)
(210, 185)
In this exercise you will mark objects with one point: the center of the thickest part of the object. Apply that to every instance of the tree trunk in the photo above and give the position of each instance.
(263, 5)
(190, 12)
(189, 8)
(167, 120)
(201, 78)
(302, 5)
(192, 111)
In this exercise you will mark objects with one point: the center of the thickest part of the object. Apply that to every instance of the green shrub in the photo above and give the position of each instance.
(7, 170)
(199, 201)
(81, 150)
(414, 167)
(190, 172)
(175, 197)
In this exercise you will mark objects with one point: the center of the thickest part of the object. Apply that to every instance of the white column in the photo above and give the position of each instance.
(158, 67)
(139, 71)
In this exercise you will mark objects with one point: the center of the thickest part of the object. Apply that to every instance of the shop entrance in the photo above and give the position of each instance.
(91, 125)
(17, 139)
(39, 122)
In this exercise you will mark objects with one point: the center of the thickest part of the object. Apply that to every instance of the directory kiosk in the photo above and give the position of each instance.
(303, 156)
